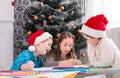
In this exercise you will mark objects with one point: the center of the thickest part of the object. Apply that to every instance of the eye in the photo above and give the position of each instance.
(70, 45)
(65, 45)
(49, 44)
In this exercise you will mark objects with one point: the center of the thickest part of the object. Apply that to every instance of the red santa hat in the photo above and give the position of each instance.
(95, 26)
(36, 38)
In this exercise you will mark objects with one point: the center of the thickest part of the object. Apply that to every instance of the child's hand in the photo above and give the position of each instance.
(88, 64)
(77, 62)
(72, 62)
(27, 66)
(69, 62)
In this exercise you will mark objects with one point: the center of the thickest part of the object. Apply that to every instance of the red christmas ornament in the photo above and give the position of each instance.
(12, 3)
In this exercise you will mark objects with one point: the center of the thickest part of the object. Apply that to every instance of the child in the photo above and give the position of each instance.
(40, 43)
(102, 51)
(63, 55)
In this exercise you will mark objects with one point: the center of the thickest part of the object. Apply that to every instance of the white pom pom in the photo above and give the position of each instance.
(31, 48)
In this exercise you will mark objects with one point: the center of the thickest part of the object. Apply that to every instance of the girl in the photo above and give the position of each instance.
(102, 51)
(40, 43)
(63, 55)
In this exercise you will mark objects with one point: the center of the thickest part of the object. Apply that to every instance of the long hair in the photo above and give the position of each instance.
(64, 35)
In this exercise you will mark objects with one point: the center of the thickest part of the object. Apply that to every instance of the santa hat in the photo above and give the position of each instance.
(36, 38)
(95, 26)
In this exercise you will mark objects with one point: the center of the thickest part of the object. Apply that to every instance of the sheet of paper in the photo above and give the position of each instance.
(43, 69)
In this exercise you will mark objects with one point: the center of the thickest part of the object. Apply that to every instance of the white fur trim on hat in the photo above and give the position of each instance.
(92, 32)
(42, 37)
(31, 48)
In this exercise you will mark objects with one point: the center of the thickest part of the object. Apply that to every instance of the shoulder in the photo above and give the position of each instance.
(25, 53)
(107, 41)
(51, 53)
(23, 57)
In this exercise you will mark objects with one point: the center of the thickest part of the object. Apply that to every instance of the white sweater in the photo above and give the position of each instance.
(106, 53)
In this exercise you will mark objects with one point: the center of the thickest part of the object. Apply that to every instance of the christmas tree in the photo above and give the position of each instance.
(55, 16)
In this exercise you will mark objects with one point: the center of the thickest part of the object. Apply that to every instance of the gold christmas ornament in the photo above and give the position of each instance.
(35, 17)
(79, 31)
(29, 32)
(58, 35)
(50, 17)
(83, 55)
(62, 8)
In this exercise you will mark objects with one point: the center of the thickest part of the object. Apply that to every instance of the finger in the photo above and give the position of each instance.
(30, 63)
(28, 67)
(77, 62)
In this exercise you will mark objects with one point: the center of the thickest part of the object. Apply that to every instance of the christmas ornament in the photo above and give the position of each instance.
(62, 8)
(58, 35)
(50, 17)
(12, 3)
(29, 33)
(83, 55)
(35, 17)
(79, 31)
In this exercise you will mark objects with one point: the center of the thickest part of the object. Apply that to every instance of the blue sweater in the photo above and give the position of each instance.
(25, 56)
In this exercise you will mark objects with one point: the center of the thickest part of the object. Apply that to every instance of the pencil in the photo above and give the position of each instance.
(71, 55)
(27, 72)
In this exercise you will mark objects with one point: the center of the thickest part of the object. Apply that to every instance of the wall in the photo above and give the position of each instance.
(6, 10)
(6, 33)
(6, 44)
(113, 33)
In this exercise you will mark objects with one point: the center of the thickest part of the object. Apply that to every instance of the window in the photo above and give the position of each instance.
(111, 9)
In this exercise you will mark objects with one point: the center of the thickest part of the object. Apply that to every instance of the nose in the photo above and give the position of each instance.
(49, 48)
(68, 48)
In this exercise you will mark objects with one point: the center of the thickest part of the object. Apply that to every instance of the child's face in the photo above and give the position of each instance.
(66, 45)
(91, 40)
(44, 47)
